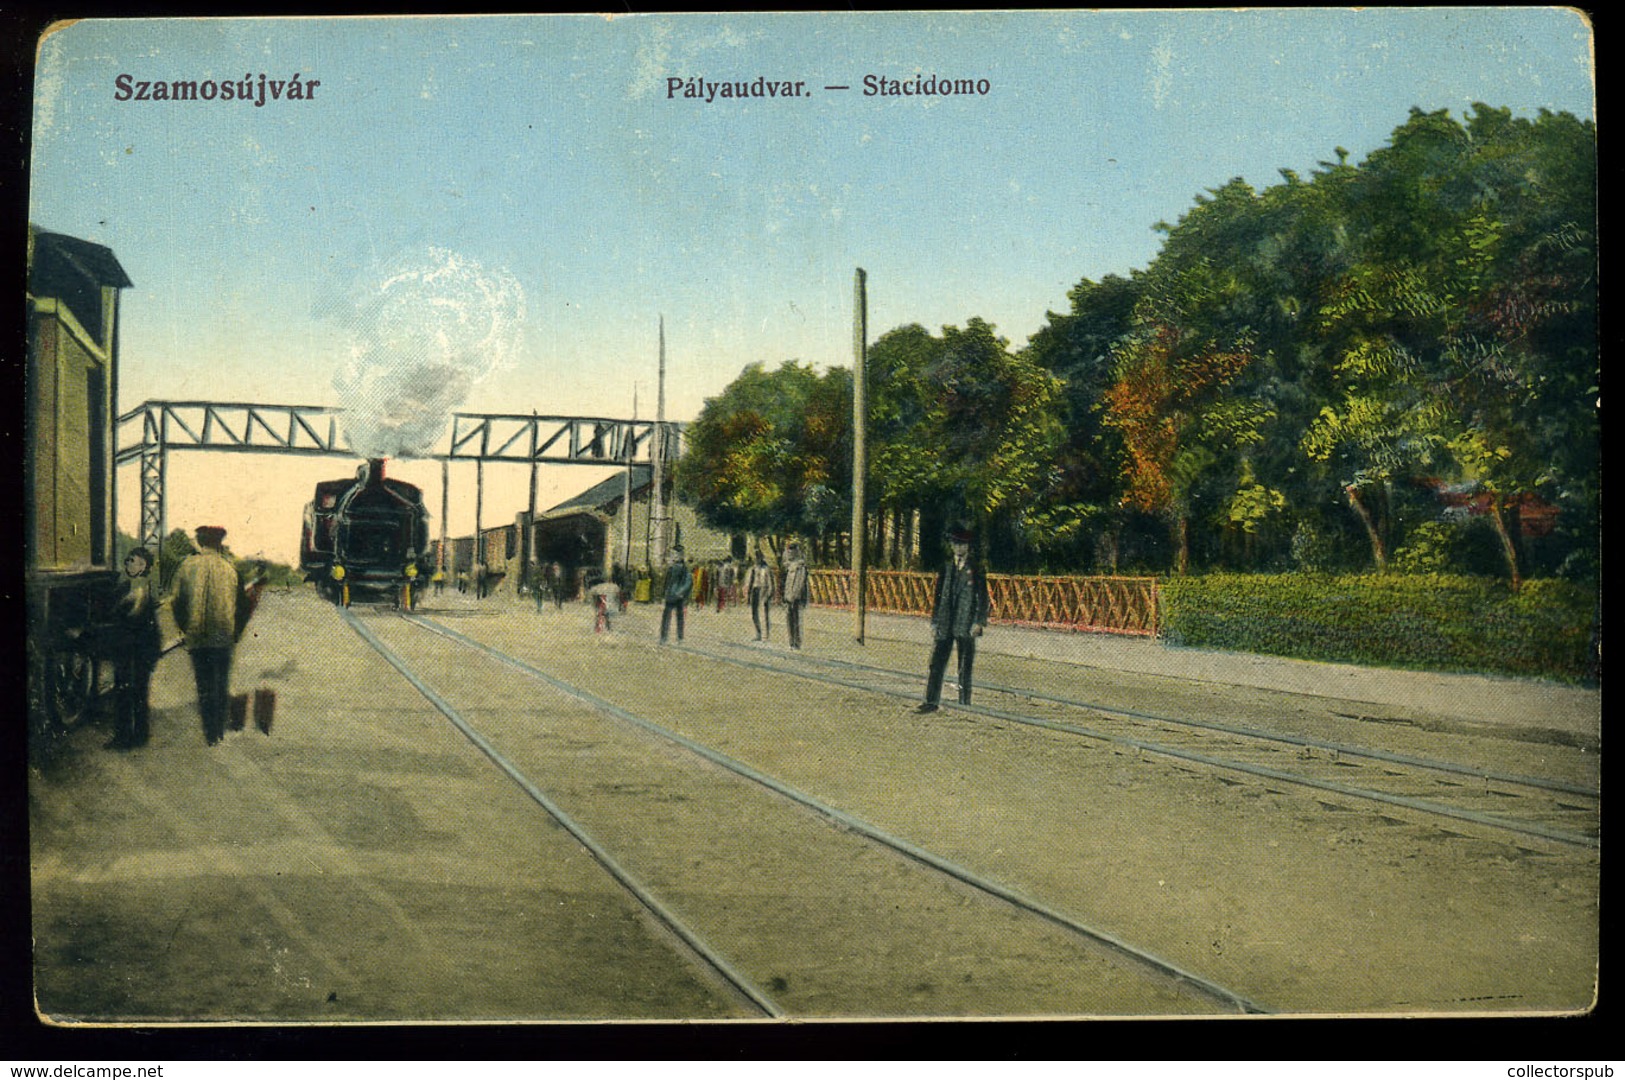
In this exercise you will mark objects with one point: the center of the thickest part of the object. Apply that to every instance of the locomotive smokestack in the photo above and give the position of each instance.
(375, 468)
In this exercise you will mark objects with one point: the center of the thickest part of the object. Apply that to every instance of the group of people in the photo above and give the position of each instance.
(761, 590)
(550, 583)
(959, 609)
(211, 606)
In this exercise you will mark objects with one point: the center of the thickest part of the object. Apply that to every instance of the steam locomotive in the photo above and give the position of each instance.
(363, 538)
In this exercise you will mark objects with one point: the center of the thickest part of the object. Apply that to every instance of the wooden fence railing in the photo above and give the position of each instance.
(1110, 605)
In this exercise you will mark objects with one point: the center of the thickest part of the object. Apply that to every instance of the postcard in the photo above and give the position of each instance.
(752, 519)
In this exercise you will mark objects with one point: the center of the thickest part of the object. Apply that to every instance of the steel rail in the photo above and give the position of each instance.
(659, 910)
(1563, 836)
(855, 824)
(1346, 749)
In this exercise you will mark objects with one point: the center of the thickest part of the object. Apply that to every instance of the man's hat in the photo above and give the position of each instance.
(961, 534)
(210, 534)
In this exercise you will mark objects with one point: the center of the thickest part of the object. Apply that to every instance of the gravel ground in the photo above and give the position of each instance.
(364, 863)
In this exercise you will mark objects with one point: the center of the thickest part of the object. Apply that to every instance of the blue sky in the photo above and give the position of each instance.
(546, 151)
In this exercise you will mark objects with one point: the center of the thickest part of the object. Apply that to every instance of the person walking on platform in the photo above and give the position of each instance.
(605, 597)
(797, 591)
(622, 577)
(759, 588)
(205, 605)
(727, 574)
(138, 644)
(679, 587)
(959, 614)
(555, 583)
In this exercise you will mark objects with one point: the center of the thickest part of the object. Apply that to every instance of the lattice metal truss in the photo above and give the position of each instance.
(556, 440)
(241, 427)
(152, 500)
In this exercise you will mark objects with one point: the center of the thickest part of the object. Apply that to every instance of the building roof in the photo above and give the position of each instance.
(605, 492)
(55, 251)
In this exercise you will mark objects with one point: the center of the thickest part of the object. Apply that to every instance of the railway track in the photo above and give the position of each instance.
(1550, 809)
(942, 871)
(700, 949)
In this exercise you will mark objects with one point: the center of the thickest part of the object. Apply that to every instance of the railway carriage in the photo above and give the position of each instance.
(69, 538)
(365, 538)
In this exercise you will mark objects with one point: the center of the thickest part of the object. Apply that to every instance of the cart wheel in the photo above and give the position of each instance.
(71, 676)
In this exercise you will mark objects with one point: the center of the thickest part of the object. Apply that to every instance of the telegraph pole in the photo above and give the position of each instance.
(530, 538)
(445, 504)
(860, 447)
(657, 504)
(626, 493)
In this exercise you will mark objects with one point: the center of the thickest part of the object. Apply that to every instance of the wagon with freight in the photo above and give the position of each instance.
(365, 538)
(69, 537)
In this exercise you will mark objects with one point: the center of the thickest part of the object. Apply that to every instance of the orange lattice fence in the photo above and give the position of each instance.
(1112, 605)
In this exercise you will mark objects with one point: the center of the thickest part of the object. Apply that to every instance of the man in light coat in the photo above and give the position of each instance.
(958, 616)
(797, 591)
(205, 607)
(759, 588)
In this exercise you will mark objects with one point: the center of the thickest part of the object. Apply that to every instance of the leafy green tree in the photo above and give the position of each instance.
(1522, 372)
(1080, 508)
(769, 446)
(1463, 332)
(1290, 379)
(963, 426)
(1224, 300)
(1169, 401)
(173, 551)
(825, 463)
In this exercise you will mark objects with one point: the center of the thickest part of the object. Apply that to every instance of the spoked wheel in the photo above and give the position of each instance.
(70, 686)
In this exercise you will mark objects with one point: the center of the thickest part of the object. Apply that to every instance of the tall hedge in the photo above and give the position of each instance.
(1435, 622)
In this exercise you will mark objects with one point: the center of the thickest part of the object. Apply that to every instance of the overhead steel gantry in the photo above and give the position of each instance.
(244, 428)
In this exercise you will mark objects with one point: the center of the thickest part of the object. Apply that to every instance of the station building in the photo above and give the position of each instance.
(589, 534)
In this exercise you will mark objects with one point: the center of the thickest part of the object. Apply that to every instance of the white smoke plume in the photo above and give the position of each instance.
(422, 333)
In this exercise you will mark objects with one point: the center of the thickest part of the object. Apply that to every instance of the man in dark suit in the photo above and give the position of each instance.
(679, 589)
(958, 616)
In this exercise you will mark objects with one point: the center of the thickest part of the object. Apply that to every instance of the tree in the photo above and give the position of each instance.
(963, 426)
(1465, 327)
(1084, 493)
(1168, 400)
(173, 551)
(768, 448)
